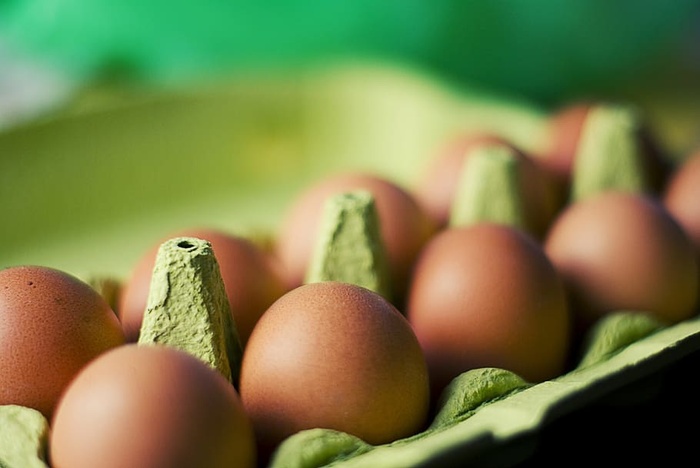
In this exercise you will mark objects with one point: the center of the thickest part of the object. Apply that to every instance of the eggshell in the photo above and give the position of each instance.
(561, 142)
(150, 406)
(404, 225)
(438, 185)
(563, 133)
(624, 251)
(682, 196)
(486, 295)
(251, 278)
(337, 356)
(51, 325)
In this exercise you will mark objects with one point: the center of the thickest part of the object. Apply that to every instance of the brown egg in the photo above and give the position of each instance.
(438, 186)
(682, 197)
(150, 406)
(334, 355)
(557, 153)
(405, 227)
(486, 295)
(51, 325)
(561, 142)
(624, 251)
(251, 279)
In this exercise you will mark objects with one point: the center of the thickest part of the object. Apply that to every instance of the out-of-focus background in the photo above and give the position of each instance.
(136, 114)
(547, 51)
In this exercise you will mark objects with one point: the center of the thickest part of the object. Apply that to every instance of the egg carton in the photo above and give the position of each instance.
(631, 384)
(628, 390)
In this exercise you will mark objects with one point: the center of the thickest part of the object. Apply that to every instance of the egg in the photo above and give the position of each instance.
(150, 406)
(404, 225)
(624, 251)
(486, 295)
(438, 182)
(438, 185)
(251, 278)
(560, 144)
(338, 356)
(564, 131)
(682, 196)
(51, 325)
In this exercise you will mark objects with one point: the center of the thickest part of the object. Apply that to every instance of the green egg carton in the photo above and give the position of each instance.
(491, 417)
(90, 188)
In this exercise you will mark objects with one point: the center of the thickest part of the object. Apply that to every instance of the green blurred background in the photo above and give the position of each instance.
(119, 120)
(546, 50)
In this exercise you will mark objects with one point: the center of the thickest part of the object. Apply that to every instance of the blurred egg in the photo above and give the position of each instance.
(624, 251)
(438, 185)
(250, 276)
(150, 406)
(486, 295)
(338, 356)
(564, 130)
(51, 325)
(682, 196)
(561, 142)
(404, 225)
(438, 182)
